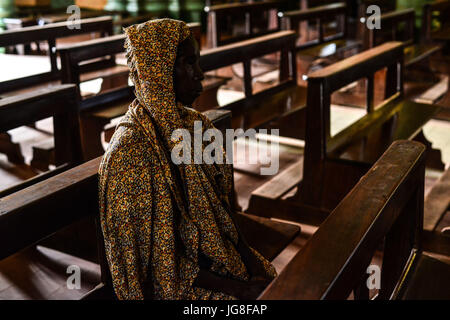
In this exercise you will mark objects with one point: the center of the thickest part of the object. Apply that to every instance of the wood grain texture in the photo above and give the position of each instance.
(332, 262)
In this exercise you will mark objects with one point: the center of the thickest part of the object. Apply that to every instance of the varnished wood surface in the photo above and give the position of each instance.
(332, 261)
(437, 202)
(409, 118)
(49, 33)
(259, 19)
(374, 60)
(430, 281)
(59, 102)
(40, 273)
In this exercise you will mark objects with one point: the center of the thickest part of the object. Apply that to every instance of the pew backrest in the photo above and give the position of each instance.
(386, 204)
(59, 102)
(49, 33)
(244, 110)
(322, 83)
(291, 20)
(391, 22)
(221, 12)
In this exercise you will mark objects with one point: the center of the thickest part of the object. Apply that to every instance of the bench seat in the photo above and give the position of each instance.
(428, 281)
(41, 273)
(409, 118)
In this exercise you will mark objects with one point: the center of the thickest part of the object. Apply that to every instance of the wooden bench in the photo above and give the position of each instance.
(223, 16)
(391, 23)
(386, 205)
(327, 46)
(59, 102)
(49, 34)
(75, 193)
(276, 106)
(439, 33)
(38, 71)
(333, 164)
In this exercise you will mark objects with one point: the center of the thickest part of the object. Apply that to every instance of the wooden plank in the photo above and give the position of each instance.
(54, 30)
(223, 56)
(21, 110)
(239, 7)
(281, 183)
(346, 71)
(437, 202)
(316, 12)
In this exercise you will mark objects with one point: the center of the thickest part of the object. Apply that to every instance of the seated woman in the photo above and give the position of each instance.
(169, 229)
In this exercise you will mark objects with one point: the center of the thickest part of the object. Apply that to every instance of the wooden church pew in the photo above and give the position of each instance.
(436, 30)
(75, 193)
(334, 164)
(38, 71)
(49, 34)
(386, 205)
(59, 102)
(390, 22)
(327, 47)
(218, 14)
(274, 107)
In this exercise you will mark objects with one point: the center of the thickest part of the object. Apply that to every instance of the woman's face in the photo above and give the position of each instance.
(187, 73)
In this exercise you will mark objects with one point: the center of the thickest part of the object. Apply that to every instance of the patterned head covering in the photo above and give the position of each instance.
(158, 217)
(151, 54)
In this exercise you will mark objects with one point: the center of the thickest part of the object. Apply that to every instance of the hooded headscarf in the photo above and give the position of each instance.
(156, 217)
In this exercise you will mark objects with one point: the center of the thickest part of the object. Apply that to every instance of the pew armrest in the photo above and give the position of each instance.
(335, 259)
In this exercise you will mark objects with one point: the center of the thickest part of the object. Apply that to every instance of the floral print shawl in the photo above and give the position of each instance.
(156, 217)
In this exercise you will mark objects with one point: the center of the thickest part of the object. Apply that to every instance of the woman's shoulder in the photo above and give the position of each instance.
(128, 148)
